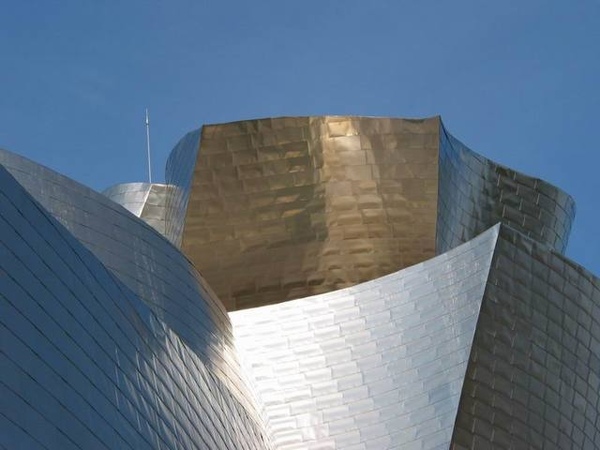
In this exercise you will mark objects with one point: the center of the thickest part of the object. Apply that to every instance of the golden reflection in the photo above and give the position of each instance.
(289, 207)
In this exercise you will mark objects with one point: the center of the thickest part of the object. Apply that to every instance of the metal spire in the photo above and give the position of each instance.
(148, 146)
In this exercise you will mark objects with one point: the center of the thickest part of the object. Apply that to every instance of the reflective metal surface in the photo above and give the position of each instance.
(115, 346)
(533, 379)
(378, 365)
(111, 339)
(148, 201)
(131, 196)
(288, 207)
(476, 193)
(178, 175)
(133, 251)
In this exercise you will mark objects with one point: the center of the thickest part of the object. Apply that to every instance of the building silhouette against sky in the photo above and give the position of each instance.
(297, 283)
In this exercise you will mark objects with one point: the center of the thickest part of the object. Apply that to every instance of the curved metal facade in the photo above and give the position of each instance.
(116, 345)
(134, 252)
(533, 378)
(178, 176)
(378, 365)
(148, 201)
(481, 335)
(288, 207)
(476, 193)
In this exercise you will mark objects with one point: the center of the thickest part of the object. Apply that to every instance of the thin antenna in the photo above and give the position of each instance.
(148, 146)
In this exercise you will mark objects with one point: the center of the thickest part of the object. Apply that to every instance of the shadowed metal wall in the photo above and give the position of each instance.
(288, 207)
(476, 193)
(178, 176)
(533, 379)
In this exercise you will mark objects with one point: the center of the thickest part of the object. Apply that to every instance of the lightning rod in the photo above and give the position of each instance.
(148, 146)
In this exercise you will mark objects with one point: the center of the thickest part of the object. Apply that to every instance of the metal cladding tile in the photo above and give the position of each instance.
(475, 194)
(178, 176)
(134, 252)
(375, 195)
(530, 381)
(86, 363)
(337, 218)
(148, 201)
(401, 380)
(142, 354)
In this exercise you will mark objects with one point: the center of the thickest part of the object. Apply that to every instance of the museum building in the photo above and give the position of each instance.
(297, 283)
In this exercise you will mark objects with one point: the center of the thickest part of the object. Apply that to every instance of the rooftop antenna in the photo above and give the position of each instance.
(148, 146)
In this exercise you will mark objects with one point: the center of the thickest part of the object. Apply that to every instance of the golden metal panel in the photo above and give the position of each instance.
(289, 207)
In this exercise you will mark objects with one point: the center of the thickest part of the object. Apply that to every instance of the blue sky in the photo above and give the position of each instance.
(517, 81)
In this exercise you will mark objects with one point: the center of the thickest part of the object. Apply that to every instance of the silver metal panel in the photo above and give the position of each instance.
(476, 193)
(140, 257)
(378, 365)
(148, 201)
(109, 338)
(533, 379)
(85, 362)
(131, 196)
(178, 175)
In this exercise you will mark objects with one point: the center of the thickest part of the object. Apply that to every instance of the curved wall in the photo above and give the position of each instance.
(476, 193)
(375, 366)
(142, 259)
(131, 196)
(493, 344)
(288, 207)
(533, 379)
(86, 364)
(178, 176)
(148, 201)
(111, 339)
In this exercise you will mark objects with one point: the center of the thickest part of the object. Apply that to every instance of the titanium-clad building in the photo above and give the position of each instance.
(297, 283)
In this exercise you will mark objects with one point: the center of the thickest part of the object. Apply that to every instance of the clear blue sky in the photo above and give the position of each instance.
(517, 81)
